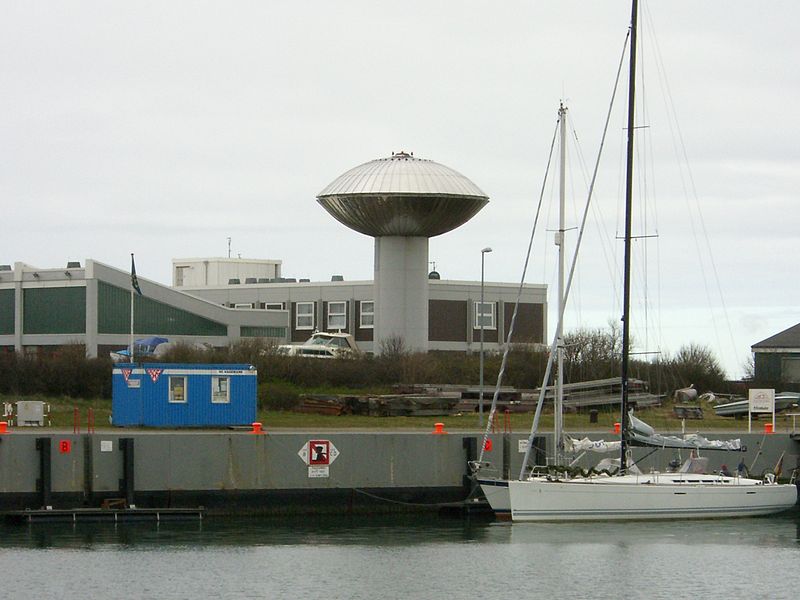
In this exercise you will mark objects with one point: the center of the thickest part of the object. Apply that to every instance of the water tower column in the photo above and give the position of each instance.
(401, 292)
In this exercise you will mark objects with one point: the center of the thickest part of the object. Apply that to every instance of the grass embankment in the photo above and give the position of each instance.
(62, 415)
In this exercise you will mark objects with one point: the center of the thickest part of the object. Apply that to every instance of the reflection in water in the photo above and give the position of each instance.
(400, 530)
(409, 556)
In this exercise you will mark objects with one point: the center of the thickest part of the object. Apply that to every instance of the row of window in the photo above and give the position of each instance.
(261, 305)
(220, 390)
(337, 315)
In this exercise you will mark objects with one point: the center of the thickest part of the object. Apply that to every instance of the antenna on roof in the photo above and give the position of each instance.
(229, 247)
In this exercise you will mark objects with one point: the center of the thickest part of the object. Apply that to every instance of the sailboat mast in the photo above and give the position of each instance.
(626, 302)
(558, 404)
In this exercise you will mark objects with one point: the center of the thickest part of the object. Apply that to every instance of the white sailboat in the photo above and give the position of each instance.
(629, 494)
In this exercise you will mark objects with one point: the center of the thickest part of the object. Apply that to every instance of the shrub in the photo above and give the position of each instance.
(278, 395)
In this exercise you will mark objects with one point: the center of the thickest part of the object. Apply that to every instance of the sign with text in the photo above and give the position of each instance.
(319, 471)
(762, 401)
(318, 455)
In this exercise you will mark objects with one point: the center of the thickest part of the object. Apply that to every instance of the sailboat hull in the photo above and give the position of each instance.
(496, 493)
(645, 498)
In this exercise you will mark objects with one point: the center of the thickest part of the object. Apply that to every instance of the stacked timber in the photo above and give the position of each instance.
(390, 405)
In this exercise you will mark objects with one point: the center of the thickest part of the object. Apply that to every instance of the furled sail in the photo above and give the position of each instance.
(641, 434)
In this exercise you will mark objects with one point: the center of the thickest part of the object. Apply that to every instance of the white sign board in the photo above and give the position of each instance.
(134, 383)
(762, 401)
(523, 446)
(106, 445)
(319, 471)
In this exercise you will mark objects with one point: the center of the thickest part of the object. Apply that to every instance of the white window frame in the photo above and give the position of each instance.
(219, 395)
(273, 306)
(241, 305)
(362, 313)
(176, 378)
(488, 317)
(298, 316)
(337, 316)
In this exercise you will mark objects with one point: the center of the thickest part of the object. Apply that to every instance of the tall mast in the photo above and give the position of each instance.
(626, 301)
(558, 403)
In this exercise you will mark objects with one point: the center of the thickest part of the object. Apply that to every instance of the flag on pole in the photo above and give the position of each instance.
(134, 279)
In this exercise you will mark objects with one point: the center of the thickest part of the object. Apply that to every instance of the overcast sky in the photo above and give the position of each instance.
(163, 128)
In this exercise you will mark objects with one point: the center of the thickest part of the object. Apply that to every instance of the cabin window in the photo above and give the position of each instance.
(177, 389)
(337, 315)
(484, 314)
(304, 319)
(242, 305)
(220, 390)
(273, 305)
(367, 314)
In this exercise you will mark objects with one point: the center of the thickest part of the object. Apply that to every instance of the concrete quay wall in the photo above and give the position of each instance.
(233, 472)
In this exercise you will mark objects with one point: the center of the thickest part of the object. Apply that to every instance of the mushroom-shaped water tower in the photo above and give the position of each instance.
(402, 201)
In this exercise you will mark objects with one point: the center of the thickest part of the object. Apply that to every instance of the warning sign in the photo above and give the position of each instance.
(319, 452)
(318, 455)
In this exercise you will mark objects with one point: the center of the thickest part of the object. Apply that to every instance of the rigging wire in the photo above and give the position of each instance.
(571, 275)
(689, 188)
(504, 361)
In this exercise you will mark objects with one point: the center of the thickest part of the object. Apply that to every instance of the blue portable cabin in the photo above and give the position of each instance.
(183, 395)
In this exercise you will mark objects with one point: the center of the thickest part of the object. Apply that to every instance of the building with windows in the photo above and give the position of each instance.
(400, 200)
(42, 309)
(452, 320)
(777, 360)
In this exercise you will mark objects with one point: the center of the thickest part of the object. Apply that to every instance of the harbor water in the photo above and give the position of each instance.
(406, 556)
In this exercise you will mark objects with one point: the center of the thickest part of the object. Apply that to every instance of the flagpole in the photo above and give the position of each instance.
(133, 271)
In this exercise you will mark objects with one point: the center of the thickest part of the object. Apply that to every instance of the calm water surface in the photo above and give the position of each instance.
(403, 557)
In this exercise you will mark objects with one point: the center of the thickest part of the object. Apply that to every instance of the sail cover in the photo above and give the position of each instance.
(641, 434)
(587, 445)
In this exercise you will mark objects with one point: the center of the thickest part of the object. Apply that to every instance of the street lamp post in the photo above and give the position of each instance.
(481, 323)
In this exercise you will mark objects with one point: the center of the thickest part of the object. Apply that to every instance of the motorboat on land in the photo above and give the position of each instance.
(145, 347)
(783, 401)
(323, 344)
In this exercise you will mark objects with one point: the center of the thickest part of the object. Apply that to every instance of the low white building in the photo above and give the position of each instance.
(194, 272)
